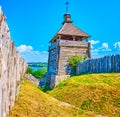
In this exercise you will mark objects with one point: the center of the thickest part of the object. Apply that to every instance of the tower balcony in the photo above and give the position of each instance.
(68, 43)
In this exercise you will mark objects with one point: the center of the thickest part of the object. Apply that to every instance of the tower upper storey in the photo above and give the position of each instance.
(68, 30)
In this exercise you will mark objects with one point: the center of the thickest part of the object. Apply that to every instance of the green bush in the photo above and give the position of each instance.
(40, 73)
(29, 70)
(73, 60)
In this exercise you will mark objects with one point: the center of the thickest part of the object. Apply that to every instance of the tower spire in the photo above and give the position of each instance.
(67, 3)
(67, 16)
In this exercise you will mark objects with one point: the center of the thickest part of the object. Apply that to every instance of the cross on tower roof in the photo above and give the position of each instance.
(67, 3)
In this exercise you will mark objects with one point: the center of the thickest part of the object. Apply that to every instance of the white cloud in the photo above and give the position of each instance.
(95, 51)
(24, 48)
(31, 55)
(101, 50)
(93, 42)
(117, 45)
(105, 47)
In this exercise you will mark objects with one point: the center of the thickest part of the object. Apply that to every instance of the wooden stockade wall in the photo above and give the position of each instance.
(106, 64)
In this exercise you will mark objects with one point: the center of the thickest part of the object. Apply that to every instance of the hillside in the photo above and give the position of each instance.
(94, 95)
(32, 102)
(99, 93)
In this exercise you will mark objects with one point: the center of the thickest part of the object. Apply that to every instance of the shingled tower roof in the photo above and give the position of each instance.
(68, 29)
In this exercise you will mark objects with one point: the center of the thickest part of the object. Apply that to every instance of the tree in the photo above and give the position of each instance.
(73, 60)
(29, 70)
(40, 73)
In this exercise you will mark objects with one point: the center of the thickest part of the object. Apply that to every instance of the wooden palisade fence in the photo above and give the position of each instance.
(106, 64)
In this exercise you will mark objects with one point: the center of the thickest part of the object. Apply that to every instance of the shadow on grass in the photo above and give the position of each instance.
(44, 88)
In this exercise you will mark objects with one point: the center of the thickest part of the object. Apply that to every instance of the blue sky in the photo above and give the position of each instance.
(33, 23)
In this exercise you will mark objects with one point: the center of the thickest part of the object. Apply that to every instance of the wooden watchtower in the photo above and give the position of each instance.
(67, 42)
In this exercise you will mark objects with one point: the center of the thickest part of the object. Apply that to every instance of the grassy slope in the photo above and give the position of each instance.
(99, 93)
(34, 103)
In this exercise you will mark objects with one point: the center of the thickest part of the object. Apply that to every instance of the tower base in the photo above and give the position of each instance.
(54, 80)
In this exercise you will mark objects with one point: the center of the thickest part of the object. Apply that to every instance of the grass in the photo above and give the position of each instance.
(99, 93)
(32, 102)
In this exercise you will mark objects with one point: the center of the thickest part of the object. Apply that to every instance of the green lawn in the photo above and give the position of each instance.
(99, 93)
(78, 96)
(32, 102)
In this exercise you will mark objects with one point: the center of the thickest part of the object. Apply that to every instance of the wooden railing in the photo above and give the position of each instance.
(69, 43)
(73, 43)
